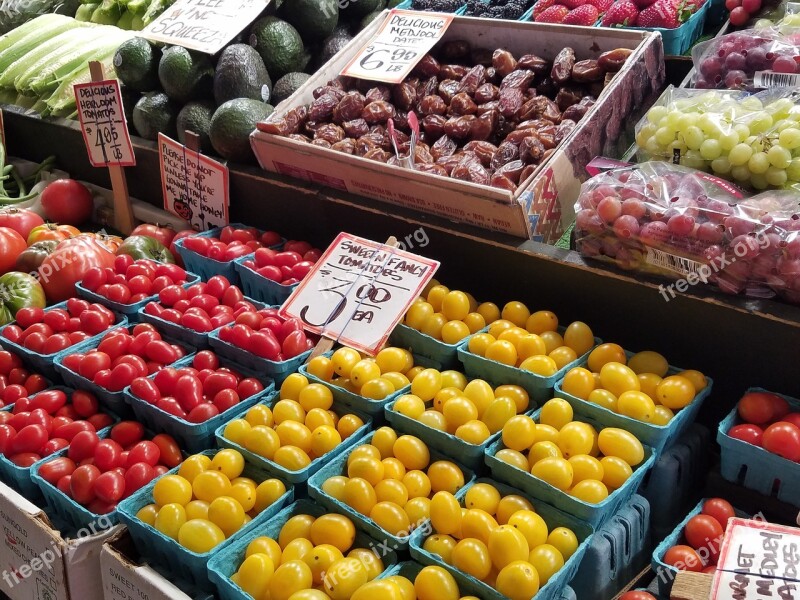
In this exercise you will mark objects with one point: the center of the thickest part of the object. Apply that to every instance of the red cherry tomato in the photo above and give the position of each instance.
(53, 445)
(171, 406)
(225, 399)
(82, 483)
(719, 509)
(189, 391)
(263, 344)
(110, 486)
(683, 558)
(127, 433)
(30, 438)
(55, 469)
(249, 386)
(202, 413)
(294, 344)
(217, 285)
(25, 459)
(703, 531)
(100, 421)
(758, 408)
(92, 363)
(637, 596)
(218, 381)
(137, 476)
(121, 376)
(28, 315)
(161, 352)
(70, 430)
(146, 389)
(64, 485)
(783, 439)
(793, 418)
(57, 319)
(752, 434)
(35, 383)
(83, 445)
(107, 455)
(170, 452)
(144, 451)
(7, 435)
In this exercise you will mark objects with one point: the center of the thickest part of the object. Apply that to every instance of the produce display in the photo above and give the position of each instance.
(449, 315)
(232, 243)
(207, 500)
(132, 281)
(266, 334)
(701, 538)
(392, 481)
(498, 539)
(571, 455)
(768, 421)
(487, 125)
(287, 266)
(17, 382)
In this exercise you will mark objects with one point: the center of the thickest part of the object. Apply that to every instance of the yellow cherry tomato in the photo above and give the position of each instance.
(147, 514)
(344, 577)
(480, 393)
(578, 382)
(334, 486)
(289, 410)
(623, 444)
(262, 440)
(649, 362)
(541, 321)
(228, 461)
(440, 544)
(698, 380)
(418, 510)
(499, 412)
(426, 384)
(564, 540)
(636, 405)
(412, 452)
(210, 485)
(445, 513)
(458, 411)
(586, 467)
(479, 342)
(556, 412)
(576, 438)
(344, 359)
(393, 469)
(268, 492)
(397, 360)
(513, 458)
(618, 378)
(360, 495)
(265, 545)
(170, 519)
(648, 383)
(391, 490)
(436, 294)
(398, 380)
(517, 313)
(417, 483)
(615, 471)
(296, 527)
(509, 505)
(292, 576)
(540, 365)
(409, 405)
(383, 439)
(319, 560)
(489, 311)
(227, 514)
(336, 530)
(200, 536)
(236, 431)
(445, 475)
(477, 523)
(590, 491)
(321, 367)
(172, 489)
(502, 351)
(547, 560)
(552, 340)
(542, 450)
(555, 471)
(297, 549)
(530, 345)
(294, 433)
(435, 583)
(348, 425)
(377, 389)
(291, 386)
(603, 398)
(516, 393)
(472, 556)
(579, 337)
(675, 392)
(519, 432)
(513, 335)
(453, 379)
(316, 395)
(546, 433)
(324, 439)
(455, 305)
(292, 458)
(663, 416)
(369, 469)
(563, 356)
(434, 419)
(364, 371)
(254, 574)
(391, 517)
(531, 525)
(474, 322)
(433, 325)
(605, 353)
(518, 580)
(483, 496)
(507, 544)
(417, 314)
(369, 559)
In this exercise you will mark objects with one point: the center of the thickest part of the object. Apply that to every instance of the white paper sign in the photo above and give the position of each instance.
(358, 291)
(203, 25)
(194, 186)
(400, 43)
(758, 560)
(103, 124)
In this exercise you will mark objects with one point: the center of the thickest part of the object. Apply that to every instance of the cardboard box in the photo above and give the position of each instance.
(38, 563)
(124, 579)
(543, 206)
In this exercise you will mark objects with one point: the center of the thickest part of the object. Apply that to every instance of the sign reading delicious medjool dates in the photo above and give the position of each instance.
(399, 44)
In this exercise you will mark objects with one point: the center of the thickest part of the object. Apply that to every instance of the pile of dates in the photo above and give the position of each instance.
(490, 124)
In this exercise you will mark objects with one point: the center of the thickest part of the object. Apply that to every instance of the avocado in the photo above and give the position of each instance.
(232, 124)
(279, 45)
(185, 75)
(332, 45)
(369, 19)
(314, 19)
(393, 3)
(241, 73)
(288, 85)
(196, 117)
(153, 113)
(136, 64)
(356, 9)
(129, 99)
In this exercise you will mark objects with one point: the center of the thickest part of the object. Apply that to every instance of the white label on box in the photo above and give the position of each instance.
(771, 79)
(203, 25)
(358, 291)
(195, 187)
(758, 560)
(103, 124)
(672, 262)
(400, 43)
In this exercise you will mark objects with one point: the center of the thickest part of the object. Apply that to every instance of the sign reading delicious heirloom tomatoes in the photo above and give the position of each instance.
(400, 43)
(195, 187)
(203, 25)
(103, 124)
(758, 560)
(358, 291)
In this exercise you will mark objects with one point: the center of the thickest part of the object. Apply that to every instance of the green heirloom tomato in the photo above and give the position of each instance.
(140, 246)
(18, 290)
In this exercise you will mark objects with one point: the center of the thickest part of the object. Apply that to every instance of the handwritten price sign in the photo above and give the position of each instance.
(358, 291)
(103, 124)
(400, 43)
(758, 560)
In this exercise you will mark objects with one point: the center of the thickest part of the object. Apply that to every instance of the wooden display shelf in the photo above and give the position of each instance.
(740, 342)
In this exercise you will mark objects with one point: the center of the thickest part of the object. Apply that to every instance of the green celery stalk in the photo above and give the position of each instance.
(31, 35)
(43, 50)
(85, 12)
(61, 102)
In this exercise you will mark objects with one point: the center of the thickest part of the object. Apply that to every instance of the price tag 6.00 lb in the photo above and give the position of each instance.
(400, 43)
(358, 291)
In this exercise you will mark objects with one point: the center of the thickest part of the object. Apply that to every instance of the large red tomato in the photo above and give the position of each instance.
(20, 220)
(69, 263)
(67, 201)
(11, 246)
(163, 234)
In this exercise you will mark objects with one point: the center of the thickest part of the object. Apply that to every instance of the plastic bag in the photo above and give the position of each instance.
(752, 140)
(748, 60)
(669, 220)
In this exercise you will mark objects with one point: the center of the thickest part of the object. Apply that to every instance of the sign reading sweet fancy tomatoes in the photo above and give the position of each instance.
(358, 291)
(203, 25)
(103, 124)
(758, 560)
(195, 187)
(400, 43)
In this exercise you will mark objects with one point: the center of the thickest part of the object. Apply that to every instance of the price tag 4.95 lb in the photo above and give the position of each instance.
(400, 43)
(358, 291)
(103, 124)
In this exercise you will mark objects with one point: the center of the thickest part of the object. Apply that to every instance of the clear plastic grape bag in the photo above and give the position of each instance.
(748, 60)
(752, 140)
(683, 224)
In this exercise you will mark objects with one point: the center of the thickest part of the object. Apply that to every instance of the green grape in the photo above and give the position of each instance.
(728, 140)
(776, 176)
(779, 157)
(693, 136)
(687, 120)
(760, 122)
(709, 125)
(756, 143)
(655, 114)
(664, 136)
(677, 145)
(692, 159)
(672, 120)
(721, 165)
(759, 181)
(645, 133)
(783, 124)
(740, 172)
(652, 147)
(740, 154)
(742, 130)
(793, 170)
(781, 107)
(789, 137)
(758, 163)
(710, 149)
(751, 103)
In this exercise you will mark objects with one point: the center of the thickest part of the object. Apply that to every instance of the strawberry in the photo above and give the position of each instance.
(585, 15)
(573, 4)
(623, 14)
(602, 5)
(554, 14)
(643, 3)
(540, 7)
(661, 13)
